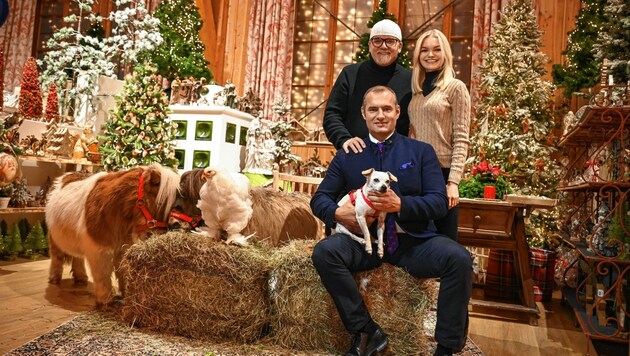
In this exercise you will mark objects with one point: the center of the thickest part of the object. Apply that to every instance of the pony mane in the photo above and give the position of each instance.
(192, 182)
(169, 188)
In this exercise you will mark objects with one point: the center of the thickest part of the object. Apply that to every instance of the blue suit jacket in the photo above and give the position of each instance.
(420, 185)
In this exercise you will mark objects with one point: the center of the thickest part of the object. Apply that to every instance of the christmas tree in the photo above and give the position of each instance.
(363, 54)
(30, 91)
(35, 243)
(70, 51)
(139, 131)
(4, 248)
(619, 224)
(181, 55)
(1, 79)
(613, 42)
(40, 245)
(52, 104)
(14, 241)
(582, 69)
(24, 226)
(515, 106)
(74, 49)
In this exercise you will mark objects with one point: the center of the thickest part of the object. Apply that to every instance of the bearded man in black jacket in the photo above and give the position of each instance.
(343, 123)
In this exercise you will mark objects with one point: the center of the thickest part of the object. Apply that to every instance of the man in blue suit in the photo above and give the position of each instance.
(415, 200)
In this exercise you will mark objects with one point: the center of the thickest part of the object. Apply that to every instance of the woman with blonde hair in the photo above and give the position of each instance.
(439, 114)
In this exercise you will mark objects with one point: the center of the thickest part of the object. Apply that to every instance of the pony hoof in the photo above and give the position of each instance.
(54, 280)
(80, 281)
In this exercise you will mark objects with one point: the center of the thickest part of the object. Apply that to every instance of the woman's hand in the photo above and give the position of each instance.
(452, 192)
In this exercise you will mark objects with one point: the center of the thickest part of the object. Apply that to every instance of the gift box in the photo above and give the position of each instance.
(501, 279)
(542, 264)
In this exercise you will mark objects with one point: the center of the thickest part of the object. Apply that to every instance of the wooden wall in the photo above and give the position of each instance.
(224, 34)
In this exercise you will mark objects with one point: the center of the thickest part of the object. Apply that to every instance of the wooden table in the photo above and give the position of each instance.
(500, 225)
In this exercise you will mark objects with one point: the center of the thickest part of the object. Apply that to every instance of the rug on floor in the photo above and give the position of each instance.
(100, 333)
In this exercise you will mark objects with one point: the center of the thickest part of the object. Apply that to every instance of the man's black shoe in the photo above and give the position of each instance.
(368, 345)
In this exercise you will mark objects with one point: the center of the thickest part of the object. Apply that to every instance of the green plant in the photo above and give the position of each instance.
(6, 191)
(484, 174)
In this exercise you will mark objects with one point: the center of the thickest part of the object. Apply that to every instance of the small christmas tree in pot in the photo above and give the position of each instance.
(5, 196)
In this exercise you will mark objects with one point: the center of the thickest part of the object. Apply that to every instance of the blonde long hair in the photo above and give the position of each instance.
(446, 74)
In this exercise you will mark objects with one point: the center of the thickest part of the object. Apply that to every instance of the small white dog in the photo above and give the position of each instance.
(377, 181)
(225, 205)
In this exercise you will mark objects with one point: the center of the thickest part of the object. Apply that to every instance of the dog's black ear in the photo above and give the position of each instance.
(367, 172)
(392, 177)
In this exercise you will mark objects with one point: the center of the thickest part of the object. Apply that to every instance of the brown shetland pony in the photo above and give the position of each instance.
(277, 218)
(97, 217)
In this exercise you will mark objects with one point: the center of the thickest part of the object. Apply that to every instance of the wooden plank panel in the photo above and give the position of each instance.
(208, 34)
(236, 43)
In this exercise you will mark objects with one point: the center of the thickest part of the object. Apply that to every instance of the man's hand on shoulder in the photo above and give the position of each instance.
(355, 144)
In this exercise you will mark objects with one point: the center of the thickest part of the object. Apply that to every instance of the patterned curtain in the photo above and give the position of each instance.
(16, 39)
(486, 15)
(268, 71)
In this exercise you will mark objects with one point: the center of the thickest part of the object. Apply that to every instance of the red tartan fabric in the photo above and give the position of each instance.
(542, 263)
(501, 281)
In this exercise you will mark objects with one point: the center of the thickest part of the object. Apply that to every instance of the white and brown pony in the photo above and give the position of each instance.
(277, 216)
(97, 217)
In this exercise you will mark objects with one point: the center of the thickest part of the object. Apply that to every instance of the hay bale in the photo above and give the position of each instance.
(305, 317)
(188, 285)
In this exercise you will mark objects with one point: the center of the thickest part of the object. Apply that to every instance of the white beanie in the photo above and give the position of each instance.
(386, 28)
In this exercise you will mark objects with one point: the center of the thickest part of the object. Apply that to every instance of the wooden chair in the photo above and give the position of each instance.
(292, 183)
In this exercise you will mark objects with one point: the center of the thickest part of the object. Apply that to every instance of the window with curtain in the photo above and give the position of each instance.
(322, 47)
(323, 44)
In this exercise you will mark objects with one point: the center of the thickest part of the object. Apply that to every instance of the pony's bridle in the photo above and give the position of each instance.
(151, 222)
(192, 220)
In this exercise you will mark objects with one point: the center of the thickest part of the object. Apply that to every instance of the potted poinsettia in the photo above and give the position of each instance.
(481, 175)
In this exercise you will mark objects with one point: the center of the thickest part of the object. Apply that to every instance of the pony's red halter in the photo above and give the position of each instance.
(192, 220)
(151, 222)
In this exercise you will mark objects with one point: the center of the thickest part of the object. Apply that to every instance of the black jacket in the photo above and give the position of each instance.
(342, 118)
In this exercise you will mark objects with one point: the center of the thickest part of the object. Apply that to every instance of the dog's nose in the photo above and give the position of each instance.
(382, 189)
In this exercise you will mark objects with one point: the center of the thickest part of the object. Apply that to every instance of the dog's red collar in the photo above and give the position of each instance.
(151, 222)
(193, 221)
(353, 198)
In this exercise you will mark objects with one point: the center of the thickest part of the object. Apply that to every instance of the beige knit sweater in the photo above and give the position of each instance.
(442, 119)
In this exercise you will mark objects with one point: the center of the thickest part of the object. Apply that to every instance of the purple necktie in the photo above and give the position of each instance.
(391, 237)
(379, 147)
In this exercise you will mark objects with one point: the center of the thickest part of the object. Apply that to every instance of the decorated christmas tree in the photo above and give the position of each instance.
(514, 122)
(363, 54)
(71, 51)
(52, 104)
(613, 42)
(181, 55)
(582, 69)
(30, 91)
(139, 131)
